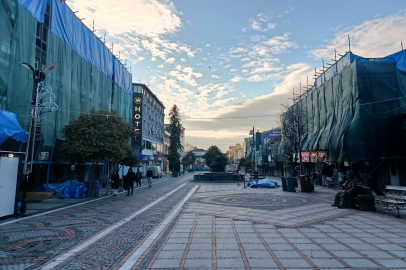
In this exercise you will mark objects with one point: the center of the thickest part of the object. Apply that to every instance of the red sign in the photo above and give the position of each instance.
(305, 156)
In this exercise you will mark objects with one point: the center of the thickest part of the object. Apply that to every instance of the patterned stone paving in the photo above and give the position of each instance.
(223, 226)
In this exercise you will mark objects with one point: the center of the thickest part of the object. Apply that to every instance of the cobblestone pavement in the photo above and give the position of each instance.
(30, 243)
(221, 226)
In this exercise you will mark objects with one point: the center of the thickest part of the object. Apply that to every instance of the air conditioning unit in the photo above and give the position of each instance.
(152, 132)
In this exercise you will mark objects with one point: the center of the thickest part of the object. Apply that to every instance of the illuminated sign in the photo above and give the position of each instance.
(137, 119)
(305, 156)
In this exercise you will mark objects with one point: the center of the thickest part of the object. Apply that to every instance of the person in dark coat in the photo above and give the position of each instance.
(138, 177)
(114, 182)
(130, 181)
(149, 176)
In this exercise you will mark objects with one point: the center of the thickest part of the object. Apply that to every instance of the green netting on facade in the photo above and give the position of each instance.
(17, 39)
(78, 86)
(122, 103)
(356, 115)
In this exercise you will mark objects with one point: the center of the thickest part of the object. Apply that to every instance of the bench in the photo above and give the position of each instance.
(395, 198)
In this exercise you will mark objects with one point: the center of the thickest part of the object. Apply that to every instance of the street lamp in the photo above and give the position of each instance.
(252, 132)
(40, 91)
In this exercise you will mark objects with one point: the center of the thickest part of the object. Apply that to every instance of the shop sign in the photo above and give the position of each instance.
(313, 156)
(346, 164)
(305, 156)
(72, 167)
(322, 156)
(43, 156)
(137, 119)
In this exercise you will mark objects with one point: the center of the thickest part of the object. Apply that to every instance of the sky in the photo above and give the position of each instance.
(230, 65)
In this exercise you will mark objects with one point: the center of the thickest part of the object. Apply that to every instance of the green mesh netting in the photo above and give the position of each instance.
(17, 39)
(356, 115)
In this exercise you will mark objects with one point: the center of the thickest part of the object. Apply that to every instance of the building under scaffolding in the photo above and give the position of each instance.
(40, 32)
(355, 115)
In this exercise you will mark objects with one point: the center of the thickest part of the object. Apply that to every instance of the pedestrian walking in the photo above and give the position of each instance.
(114, 182)
(130, 180)
(149, 176)
(138, 177)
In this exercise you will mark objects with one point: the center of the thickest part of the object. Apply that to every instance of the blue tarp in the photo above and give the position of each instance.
(10, 128)
(58, 188)
(264, 183)
(35, 7)
(70, 29)
(400, 58)
(121, 76)
(74, 192)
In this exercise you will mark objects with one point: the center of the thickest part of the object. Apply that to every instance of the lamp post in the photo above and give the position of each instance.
(252, 132)
(40, 91)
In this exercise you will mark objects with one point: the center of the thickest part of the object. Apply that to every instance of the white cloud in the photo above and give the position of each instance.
(170, 60)
(260, 23)
(233, 69)
(236, 79)
(186, 75)
(141, 58)
(222, 102)
(208, 45)
(374, 38)
(160, 66)
(156, 18)
(215, 76)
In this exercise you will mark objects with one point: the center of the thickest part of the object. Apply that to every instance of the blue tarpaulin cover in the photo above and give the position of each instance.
(10, 128)
(74, 192)
(121, 76)
(400, 59)
(264, 183)
(58, 188)
(70, 29)
(35, 7)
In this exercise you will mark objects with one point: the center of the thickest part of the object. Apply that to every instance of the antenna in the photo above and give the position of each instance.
(118, 55)
(112, 48)
(300, 87)
(104, 40)
(349, 43)
(93, 27)
(401, 44)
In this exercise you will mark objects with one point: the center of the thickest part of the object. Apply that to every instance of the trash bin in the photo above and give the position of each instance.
(96, 188)
(291, 181)
(305, 184)
(284, 184)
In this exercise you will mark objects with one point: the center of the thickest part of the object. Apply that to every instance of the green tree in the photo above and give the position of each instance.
(245, 162)
(96, 137)
(212, 153)
(173, 158)
(175, 129)
(188, 159)
(130, 159)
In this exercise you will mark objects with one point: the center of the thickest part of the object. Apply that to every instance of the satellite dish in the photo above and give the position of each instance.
(50, 68)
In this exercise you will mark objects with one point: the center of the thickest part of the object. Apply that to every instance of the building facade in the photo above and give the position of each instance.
(148, 118)
(199, 161)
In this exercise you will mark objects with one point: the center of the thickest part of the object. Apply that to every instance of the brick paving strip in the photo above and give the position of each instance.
(132, 260)
(75, 250)
(244, 258)
(267, 247)
(189, 242)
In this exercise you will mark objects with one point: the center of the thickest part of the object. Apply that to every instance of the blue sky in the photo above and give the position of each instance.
(234, 58)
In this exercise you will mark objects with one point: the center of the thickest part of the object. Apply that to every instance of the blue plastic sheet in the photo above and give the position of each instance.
(74, 192)
(70, 29)
(264, 183)
(10, 128)
(35, 7)
(400, 58)
(58, 188)
(121, 76)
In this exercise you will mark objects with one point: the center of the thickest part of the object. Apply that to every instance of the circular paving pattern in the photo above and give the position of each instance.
(258, 201)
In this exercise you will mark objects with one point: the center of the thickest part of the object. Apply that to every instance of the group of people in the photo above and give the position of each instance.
(132, 178)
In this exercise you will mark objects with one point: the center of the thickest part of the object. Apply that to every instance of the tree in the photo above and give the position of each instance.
(245, 162)
(129, 159)
(212, 153)
(173, 158)
(95, 137)
(188, 159)
(176, 130)
(175, 145)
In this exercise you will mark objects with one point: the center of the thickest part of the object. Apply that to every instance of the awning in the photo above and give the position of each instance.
(146, 157)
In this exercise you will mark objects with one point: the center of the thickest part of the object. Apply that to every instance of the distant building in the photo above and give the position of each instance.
(199, 153)
(150, 125)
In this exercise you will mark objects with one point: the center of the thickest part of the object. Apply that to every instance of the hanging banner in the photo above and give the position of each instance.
(305, 156)
(137, 119)
(322, 156)
(313, 156)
